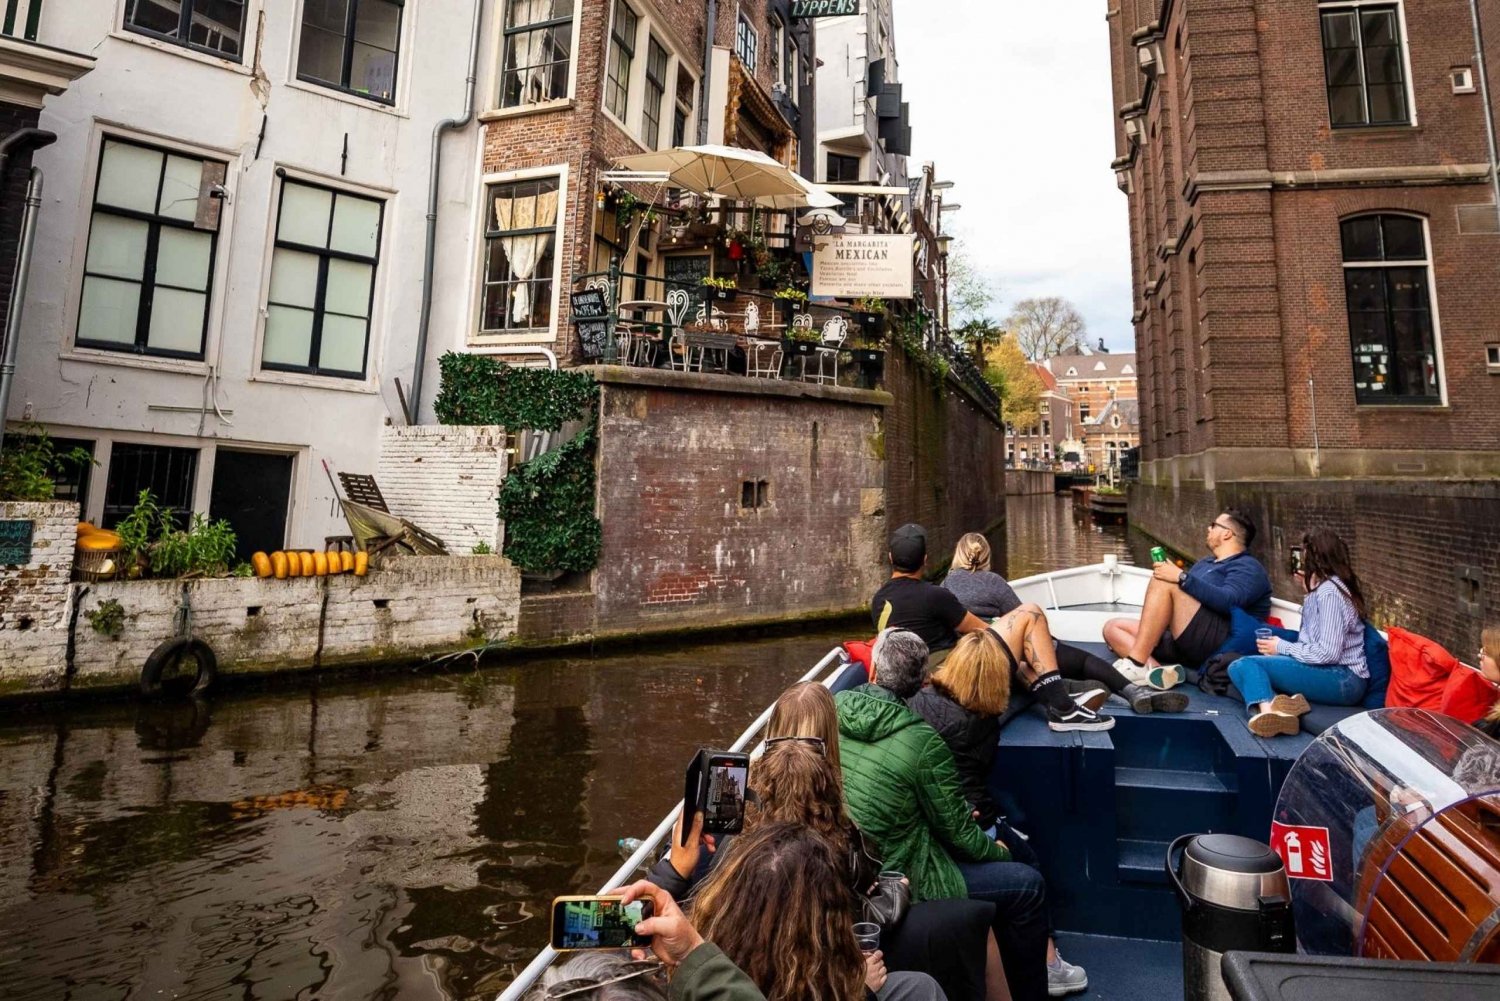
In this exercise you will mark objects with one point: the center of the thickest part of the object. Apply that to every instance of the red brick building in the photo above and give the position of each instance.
(1315, 250)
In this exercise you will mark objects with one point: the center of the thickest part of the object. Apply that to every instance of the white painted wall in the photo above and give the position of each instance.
(170, 95)
(846, 117)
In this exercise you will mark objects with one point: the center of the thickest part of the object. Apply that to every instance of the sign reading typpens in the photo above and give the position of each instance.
(803, 9)
(854, 266)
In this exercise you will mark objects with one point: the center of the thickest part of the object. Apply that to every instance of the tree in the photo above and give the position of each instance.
(1020, 389)
(970, 294)
(979, 336)
(1047, 327)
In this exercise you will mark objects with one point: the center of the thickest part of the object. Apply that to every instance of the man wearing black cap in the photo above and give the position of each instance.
(906, 601)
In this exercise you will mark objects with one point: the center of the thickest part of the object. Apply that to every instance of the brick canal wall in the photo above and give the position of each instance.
(35, 602)
(1427, 552)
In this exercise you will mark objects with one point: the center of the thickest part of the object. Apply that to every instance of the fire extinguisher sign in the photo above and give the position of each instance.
(1305, 851)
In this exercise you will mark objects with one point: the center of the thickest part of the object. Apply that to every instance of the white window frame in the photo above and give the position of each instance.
(689, 132)
(405, 53)
(1432, 291)
(245, 64)
(218, 288)
(375, 347)
(473, 338)
(496, 72)
(1411, 92)
(743, 22)
(637, 81)
(648, 28)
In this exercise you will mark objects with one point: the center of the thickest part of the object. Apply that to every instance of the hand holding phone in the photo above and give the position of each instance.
(673, 937)
(600, 922)
(716, 784)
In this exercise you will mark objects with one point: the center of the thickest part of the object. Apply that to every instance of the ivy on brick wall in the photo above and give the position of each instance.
(548, 508)
(548, 503)
(479, 389)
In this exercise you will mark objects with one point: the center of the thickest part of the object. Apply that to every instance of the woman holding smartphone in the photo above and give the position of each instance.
(1326, 663)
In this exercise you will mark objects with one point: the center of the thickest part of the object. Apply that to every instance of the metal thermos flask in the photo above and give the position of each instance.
(1234, 895)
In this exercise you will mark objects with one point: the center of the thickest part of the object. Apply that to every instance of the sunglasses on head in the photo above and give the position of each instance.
(582, 985)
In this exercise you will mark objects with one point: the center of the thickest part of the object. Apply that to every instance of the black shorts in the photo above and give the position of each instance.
(1199, 641)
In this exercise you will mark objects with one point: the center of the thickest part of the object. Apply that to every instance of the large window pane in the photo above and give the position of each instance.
(348, 290)
(129, 177)
(176, 320)
(288, 336)
(117, 247)
(356, 225)
(373, 72)
(537, 50)
(1363, 59)
(179, 188)
(343, 347)
(351, 45)
(320, 58)
(1392, 338)
(294, 278)
(519, 255)
(304, 215)
(109, 311)
(182, 258)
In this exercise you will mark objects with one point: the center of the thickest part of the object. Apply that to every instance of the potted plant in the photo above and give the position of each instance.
(794, 298)
(869, 314)
(723, 289)
(802, 341)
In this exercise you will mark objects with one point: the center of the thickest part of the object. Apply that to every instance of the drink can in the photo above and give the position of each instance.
(1158, 555)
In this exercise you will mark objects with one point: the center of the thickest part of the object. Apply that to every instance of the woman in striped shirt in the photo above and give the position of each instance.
(1326, 663)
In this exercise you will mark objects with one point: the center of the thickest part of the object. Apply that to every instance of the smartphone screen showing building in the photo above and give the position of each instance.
(596, 924)
(725, 809)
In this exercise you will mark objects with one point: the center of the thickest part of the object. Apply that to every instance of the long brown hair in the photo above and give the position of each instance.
(778, 907)
(794, 783)
(807, 710)
(976, 674)
(972, 553)
(1325, 555)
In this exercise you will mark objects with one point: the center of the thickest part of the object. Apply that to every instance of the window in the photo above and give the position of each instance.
(1387, 280)
(167, 472)
(755, 494)
(150, 259)
(213, 26)
(1492, 357)
(746, 43)
(351, 45)
(1083, 411)
(687, 91)
(621, 57)
(519, 238)
(777, 50)
(538, 51)
(1365, 64)
(845, 170)
(322, 282)
(790, 67)
(656, 90)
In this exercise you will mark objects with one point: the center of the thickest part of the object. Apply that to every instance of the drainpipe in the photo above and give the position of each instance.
(34, 139)
(709, 30)
(429, 255)
(1489, 109)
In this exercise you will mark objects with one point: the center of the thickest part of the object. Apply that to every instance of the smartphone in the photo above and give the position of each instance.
(1294, 561)
(716, 783)
(598, 923)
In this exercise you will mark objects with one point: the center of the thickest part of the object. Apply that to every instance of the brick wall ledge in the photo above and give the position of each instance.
(1260, 180)
(1233, 465)
(621, 375)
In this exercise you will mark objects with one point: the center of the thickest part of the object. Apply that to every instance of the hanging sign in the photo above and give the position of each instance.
(1305, 851)
(805, 9)
(15, 543)
(853, 266)
(591, 317)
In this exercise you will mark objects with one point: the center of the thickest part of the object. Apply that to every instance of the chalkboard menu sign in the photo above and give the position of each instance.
(687, 271)
(591, 317)
(15, 542)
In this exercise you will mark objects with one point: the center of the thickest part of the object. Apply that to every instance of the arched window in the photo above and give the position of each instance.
(1388, 283)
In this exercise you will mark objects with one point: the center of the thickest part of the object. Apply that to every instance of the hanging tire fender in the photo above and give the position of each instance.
(168, 655)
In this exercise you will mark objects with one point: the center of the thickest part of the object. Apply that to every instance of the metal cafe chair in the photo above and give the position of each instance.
(678, 304)
(762, 356)
(835, 330)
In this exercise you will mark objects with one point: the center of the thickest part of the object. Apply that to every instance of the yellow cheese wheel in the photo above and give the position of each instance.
(361, 564)
(346, 562)
(96, 541)
(84, 528)
(320, 564)
(262, 564)
(279, 564)
(334, 565)
(308, 567)
(294, 564)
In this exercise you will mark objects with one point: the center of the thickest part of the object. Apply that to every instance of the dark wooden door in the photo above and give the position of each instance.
(251, 491)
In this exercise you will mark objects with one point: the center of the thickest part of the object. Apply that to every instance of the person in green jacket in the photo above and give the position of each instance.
(903, 789)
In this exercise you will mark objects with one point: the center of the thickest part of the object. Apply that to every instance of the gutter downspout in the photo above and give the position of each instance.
(710, 29)
(429, 254)
(35, 139)
(1489, 109)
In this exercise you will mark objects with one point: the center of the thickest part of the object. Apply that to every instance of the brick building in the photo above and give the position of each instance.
(1315, 247)
(1056, 433)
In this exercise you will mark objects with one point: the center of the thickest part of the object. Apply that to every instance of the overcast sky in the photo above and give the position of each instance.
(1011, 100)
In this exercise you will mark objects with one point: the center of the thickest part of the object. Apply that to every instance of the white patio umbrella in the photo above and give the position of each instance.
(730, 172)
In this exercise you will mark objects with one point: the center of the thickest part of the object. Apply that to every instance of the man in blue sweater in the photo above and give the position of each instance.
(1185, 618)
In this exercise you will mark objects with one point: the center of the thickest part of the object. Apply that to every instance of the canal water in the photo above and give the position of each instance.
(396, 838)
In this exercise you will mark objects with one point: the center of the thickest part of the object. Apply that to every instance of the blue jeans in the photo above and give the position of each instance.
(1259, 678)
(1020, 899)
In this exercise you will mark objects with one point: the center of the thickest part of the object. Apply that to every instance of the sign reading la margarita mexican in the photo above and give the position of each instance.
(853, 266)
(802, 9)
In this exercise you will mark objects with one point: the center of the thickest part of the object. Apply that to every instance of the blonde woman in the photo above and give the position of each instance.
(982, 591)
(1489, 666)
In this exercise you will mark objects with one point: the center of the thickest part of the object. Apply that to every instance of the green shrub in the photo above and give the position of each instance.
(150, 537)
(480, 390)
(30, 462)
(548, 507)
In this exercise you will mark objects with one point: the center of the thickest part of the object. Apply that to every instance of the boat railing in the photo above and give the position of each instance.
(652, 845)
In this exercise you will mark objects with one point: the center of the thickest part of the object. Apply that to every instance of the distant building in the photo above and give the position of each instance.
(1093, 380)
(1053, 436)
(1115, 430)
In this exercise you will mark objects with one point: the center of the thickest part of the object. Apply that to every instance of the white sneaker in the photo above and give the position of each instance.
(1065, 978)
(1133, 672)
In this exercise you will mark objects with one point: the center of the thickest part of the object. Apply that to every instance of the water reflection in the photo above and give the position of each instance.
(380, 840)
(1045, 532)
